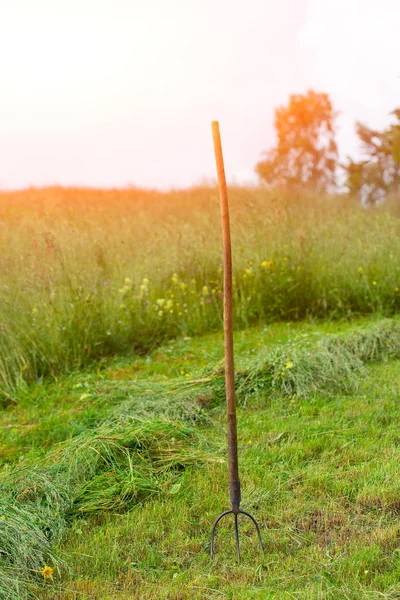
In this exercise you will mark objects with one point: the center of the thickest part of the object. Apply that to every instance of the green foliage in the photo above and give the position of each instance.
(306, 151)
(378, 175)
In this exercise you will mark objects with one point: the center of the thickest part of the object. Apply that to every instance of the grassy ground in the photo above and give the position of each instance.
(47, 413)
(322, 478)
(320, 473)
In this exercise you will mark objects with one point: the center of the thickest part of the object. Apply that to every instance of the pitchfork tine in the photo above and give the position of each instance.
(243, 512)
(235, 514)
(237, 536)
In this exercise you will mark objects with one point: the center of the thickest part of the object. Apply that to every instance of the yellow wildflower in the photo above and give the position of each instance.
(289, 365)
(160, 301)
(205, 291)
(145, 281)
(374, 283)
(127, 281)
(122, 306)
(34, 311)
(396, 289)
(283, 373)
(160, 313)
(47, 572)
(175, 278)
(264, 263)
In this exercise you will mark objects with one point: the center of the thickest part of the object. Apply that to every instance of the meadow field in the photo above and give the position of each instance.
(112, 438)
(87, 273)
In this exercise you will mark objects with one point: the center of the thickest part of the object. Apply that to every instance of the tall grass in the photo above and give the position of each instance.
(85, 273)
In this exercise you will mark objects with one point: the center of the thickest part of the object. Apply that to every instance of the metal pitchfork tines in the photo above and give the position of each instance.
(233, 462)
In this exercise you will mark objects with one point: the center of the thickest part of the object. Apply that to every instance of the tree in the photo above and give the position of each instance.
(306, 153)
(378, 174)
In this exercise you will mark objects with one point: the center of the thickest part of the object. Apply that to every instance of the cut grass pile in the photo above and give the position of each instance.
(85, 274)
(302, 366)
(136, 453)
(111, 468)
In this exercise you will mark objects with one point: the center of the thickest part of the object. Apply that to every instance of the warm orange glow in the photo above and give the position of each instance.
(110, 94)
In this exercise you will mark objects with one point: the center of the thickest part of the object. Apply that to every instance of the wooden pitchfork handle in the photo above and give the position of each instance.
(233, 464)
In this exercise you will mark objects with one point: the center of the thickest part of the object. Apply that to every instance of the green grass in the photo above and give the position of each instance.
(319, 470)
(112, 440)
(86, 274)
(320, 474)
(48, 413)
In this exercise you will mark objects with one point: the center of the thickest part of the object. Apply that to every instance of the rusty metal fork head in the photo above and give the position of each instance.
(235, 511)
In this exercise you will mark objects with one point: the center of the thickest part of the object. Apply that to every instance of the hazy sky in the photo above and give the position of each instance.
(117, 92)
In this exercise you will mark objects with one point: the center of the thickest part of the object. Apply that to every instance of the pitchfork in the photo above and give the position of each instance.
(233, 463)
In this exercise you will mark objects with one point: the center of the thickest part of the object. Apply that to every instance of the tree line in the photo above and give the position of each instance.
(306, 156)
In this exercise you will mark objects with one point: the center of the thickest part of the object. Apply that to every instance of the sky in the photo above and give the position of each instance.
(111, 93)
